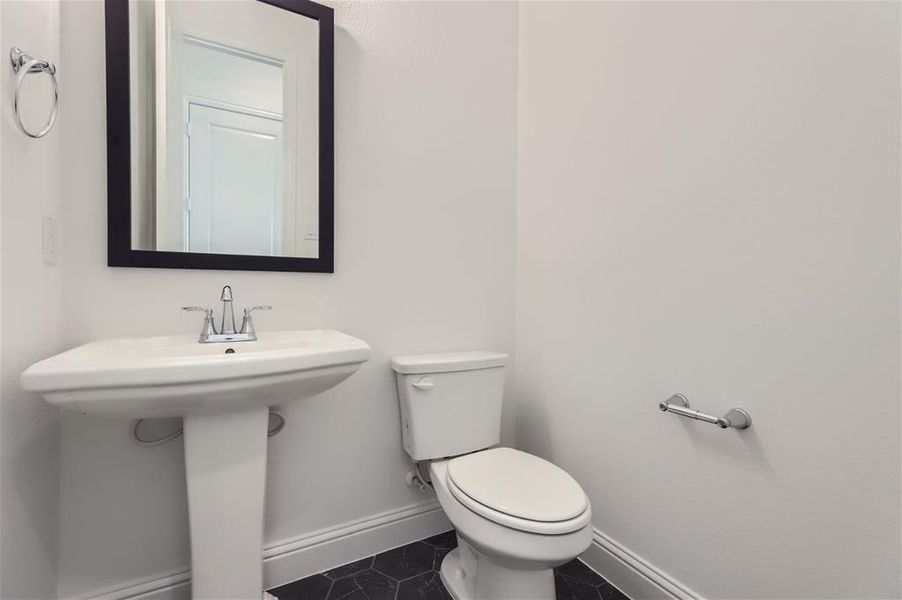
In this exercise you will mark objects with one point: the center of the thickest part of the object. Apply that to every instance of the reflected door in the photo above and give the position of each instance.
(234, 182)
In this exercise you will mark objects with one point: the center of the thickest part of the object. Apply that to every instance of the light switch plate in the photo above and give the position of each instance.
(48, 240)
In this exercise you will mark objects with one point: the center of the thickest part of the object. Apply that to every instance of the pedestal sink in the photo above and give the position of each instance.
(224, 392)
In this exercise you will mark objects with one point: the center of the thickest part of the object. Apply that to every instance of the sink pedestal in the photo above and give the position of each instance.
(223, 392)
(225, 463)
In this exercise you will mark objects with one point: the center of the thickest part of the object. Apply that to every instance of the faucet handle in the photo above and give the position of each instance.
(209, 328)
(247, 324)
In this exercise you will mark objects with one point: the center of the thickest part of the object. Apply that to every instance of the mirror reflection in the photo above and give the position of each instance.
(224, 128)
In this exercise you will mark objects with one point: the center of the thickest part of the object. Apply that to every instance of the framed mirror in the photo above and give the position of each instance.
(219, 134)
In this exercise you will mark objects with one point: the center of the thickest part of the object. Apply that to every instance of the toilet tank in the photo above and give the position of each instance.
(450, 403)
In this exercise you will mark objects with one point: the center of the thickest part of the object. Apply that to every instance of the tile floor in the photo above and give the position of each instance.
(411, 572)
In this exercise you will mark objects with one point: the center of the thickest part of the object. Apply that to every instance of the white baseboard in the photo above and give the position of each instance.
(174, 585)
(632, 574)
(291, 559)
(287, 560)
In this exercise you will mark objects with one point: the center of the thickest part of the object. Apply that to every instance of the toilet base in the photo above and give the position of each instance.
(461, 566)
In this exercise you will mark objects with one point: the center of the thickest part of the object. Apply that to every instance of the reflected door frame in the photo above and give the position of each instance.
(285, 237)
(184, 24)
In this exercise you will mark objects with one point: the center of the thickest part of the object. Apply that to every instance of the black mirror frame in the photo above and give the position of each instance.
(119, 250)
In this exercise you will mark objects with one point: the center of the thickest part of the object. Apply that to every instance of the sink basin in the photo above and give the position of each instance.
(223, 391)
(175, 375)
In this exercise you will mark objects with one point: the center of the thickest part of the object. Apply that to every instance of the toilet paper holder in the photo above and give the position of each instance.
(735, 418)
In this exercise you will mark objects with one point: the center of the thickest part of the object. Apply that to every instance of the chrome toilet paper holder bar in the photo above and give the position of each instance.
(678, 404)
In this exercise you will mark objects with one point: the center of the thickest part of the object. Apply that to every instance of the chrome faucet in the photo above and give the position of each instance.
(228, 312)
(227, 333)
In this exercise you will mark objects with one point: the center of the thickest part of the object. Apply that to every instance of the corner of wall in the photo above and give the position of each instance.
(30, 309)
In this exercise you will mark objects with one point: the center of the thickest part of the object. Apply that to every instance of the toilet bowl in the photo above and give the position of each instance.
(517, 516)
(503, 554)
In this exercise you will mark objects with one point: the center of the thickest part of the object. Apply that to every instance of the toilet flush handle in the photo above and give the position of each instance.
(426, 383)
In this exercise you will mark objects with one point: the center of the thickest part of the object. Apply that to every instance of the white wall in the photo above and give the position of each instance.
(31, 313)
(708, 203)
(425, 175)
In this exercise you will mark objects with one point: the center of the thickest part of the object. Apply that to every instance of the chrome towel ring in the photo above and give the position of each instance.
(25, 64)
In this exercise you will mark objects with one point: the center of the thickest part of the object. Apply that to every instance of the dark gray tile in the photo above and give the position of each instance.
(342, 587)
(415, 566)
(447, 540)
(609, 592)
(439, 554)
(427, 586)
(577, 569)
(405, 561)
(572, 589)
(350, 568)
(315, 587)
(375, 585)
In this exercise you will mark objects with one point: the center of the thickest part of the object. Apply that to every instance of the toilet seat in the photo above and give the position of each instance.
(518, 490)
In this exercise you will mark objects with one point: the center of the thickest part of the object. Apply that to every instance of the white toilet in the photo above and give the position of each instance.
(517, 516)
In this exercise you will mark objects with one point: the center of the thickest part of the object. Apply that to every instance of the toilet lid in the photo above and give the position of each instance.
(518, 484)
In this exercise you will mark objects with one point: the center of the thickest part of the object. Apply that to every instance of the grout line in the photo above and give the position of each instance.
(352, 574)
(436, 572)
(606, 582)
